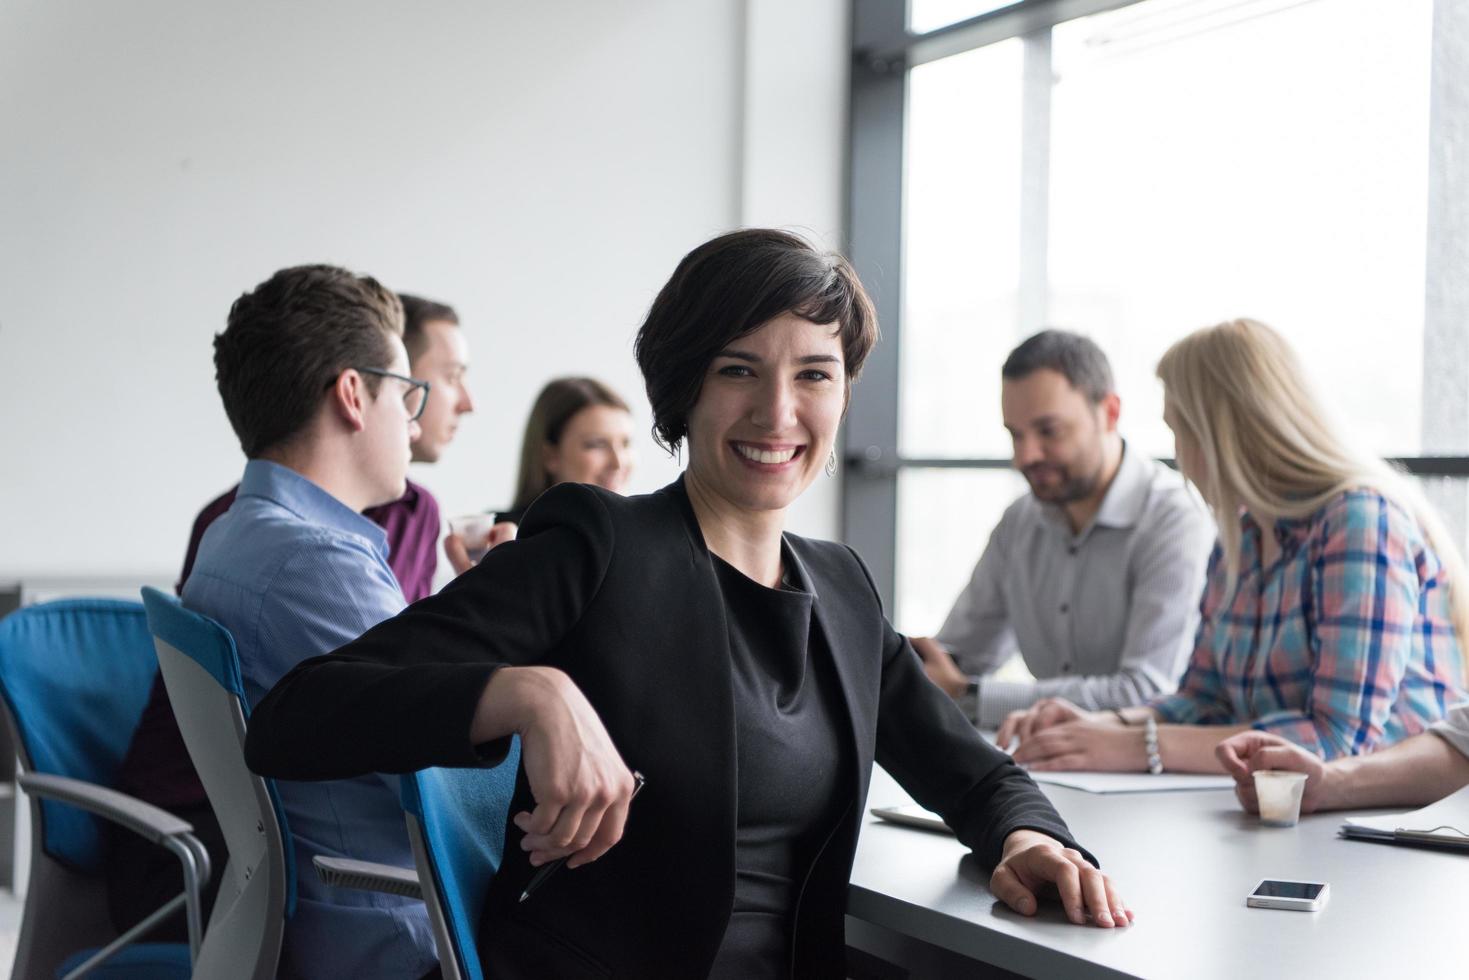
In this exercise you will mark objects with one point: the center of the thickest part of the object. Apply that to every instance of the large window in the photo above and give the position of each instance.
(1135, 173)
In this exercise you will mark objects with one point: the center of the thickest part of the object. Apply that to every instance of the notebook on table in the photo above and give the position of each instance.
(1441, 824)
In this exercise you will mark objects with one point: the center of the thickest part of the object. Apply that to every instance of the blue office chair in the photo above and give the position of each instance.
(74, 677)
(456, 821)
(257, 893)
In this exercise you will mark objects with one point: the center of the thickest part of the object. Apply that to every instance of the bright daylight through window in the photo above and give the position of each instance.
(1135, 175)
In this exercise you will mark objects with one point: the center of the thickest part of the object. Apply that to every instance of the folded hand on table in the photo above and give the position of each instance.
(1048, 713)
(1033, 863)
(1090, 746)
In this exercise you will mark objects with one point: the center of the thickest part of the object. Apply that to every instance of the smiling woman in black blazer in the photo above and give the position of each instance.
(748, 674)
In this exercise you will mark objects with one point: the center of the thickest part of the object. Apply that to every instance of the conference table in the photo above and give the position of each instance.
(1184, 862)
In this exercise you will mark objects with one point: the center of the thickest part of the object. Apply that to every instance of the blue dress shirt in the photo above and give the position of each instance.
(292, 572)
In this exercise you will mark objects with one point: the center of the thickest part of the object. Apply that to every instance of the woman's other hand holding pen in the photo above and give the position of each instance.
(579, 781)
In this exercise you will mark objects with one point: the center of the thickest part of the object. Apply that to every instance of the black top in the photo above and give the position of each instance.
(790, 763)
(622, 595)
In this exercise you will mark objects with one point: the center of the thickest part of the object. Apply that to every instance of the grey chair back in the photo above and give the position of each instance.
(257, 891)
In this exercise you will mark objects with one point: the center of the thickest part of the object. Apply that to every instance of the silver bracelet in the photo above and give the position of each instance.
(1150, 745)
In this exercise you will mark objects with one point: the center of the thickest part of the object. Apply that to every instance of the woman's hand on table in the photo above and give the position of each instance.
(1092, 746)
(1047, 713)
(1243, 754)
(1033, 862)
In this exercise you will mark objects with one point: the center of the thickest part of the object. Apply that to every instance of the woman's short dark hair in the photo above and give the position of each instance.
(730, 287)
(555, 406)
(289, 338)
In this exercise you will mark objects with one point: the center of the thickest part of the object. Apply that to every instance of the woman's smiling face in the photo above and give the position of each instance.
(595, 447)
(768, 413)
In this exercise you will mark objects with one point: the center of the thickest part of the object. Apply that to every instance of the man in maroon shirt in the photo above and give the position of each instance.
(157, 768)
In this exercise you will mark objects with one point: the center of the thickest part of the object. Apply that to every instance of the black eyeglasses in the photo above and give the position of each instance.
(415, 399)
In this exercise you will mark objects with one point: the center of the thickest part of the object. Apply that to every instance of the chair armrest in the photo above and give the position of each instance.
(153, 823)
(367, 876)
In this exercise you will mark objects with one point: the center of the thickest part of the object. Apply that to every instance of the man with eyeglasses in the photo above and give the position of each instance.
(439, 354)
(314, 377)
(157, 767)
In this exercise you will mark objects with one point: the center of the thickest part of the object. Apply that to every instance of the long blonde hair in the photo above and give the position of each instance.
(1241, 400)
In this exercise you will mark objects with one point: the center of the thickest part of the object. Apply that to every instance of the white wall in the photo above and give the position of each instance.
(794, 143)
(541, 166)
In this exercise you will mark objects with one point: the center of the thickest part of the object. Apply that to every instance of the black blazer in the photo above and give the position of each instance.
(620, 593)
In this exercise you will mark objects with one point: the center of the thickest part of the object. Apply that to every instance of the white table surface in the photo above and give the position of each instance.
(1184, 862)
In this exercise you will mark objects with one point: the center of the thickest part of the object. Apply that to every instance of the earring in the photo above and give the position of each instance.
(831, 463)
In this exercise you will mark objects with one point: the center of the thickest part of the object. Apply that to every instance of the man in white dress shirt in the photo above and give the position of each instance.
(1095, 575)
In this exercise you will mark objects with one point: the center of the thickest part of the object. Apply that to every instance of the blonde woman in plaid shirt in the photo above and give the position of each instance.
(1335, 600)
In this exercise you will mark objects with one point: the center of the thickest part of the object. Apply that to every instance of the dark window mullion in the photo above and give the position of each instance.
(875, 234)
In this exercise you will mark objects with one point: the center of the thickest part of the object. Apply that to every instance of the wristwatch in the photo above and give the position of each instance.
(969, 701)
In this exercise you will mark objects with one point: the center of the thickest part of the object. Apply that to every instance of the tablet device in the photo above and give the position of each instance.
(912, 815)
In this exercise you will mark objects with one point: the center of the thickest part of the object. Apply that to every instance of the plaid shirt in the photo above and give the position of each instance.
(1345, 644)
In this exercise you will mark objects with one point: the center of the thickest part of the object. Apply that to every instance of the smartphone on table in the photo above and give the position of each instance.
(1299, 896)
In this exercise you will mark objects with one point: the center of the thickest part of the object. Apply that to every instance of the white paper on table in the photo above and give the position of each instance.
(1446, 821)
(1132, 782)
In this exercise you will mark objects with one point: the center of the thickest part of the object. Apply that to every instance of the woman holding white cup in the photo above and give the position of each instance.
(579, 431)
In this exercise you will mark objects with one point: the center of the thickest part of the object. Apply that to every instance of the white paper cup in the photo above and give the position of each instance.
(1279, 793)
(475, 530)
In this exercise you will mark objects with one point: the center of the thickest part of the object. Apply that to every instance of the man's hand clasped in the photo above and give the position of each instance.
(1057, 736)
